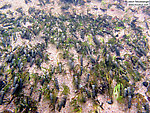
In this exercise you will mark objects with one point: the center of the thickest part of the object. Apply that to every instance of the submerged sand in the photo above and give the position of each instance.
(55, 8)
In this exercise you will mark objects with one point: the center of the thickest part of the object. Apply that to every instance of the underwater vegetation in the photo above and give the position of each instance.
(100, 62)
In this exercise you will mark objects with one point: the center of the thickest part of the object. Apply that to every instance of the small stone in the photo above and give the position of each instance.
(145, 84)
(110, 101)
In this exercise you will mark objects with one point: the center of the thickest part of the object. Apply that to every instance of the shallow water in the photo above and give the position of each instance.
(67, 77)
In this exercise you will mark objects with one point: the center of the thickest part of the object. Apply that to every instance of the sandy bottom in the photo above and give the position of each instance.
(55, 8)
